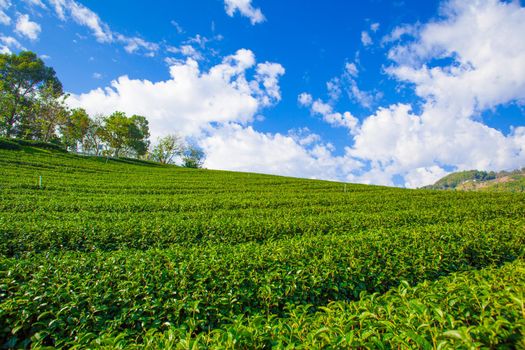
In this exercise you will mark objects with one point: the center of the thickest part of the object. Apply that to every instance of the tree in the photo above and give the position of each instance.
(22, 77)
(115, 132)
(167, 148)
(94, 135)
(139, 135)
(75, 129)
(126, 134)
(193, 157)
(47, 114)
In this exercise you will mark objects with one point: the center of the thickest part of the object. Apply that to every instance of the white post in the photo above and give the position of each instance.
(40, 182)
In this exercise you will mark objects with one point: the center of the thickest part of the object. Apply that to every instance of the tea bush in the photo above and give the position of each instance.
(102, 252)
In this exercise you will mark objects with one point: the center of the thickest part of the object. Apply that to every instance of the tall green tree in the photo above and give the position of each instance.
(48, 113)
(116, 131)
(95, 135)
(128, 135)
(75, 129)
(167, 148)
(139, 135)
(22, 77)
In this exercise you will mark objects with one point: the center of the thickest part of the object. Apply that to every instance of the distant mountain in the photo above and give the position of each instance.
(475, 180)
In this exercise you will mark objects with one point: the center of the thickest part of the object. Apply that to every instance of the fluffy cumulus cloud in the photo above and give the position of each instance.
(267, 75)
(26, 27)
(193, 100)
(485, 72)
(457, 65)
(481, 72)
(485, 40)
(245, 8)
(234, 147)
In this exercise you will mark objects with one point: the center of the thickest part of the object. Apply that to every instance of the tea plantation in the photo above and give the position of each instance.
(104, 253)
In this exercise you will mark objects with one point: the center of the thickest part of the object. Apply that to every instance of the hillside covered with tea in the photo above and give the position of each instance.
(125, 253)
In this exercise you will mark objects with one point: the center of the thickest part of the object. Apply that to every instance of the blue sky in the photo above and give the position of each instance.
(385, 92)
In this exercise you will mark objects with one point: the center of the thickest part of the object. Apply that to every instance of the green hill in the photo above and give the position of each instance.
(475, 180)
(123, 253)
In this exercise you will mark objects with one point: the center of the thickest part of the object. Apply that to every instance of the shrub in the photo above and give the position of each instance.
(40, 144)
(9, 145)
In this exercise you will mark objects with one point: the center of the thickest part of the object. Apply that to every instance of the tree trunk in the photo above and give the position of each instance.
(10, 123)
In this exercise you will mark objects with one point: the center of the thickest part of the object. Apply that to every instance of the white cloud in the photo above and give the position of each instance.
(199, 40)
(374, 27)
(363, 98)
(7, 43)
(400, 141)
(186, 51)
(100, 30)
(393, 144)
(60, 8)
(192, 99)
(400, 32)
(4, 18)
(25, 27)
(484, 73)
(193, 47)
(97, 75)
(395, 141)
(366, 39)
(305, 99)
(133, 44)
(245, 8)
(487, 71)
(84, 16)
(333, 87)
(304, 136)
(37, 3)
(238, 148)
(423, 176)
(267, 75)
(326, 111)
(351, 69)
(177, 26)
(348, 82)
(337, 119)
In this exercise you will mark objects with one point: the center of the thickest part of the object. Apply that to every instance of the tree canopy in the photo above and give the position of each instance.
(193, 157)
(167, 149)
(23, 78)
(33, 106)
(126, 134)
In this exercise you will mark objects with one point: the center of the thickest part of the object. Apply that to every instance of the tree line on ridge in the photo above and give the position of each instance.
(33, 107)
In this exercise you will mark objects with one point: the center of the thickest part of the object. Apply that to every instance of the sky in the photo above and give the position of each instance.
(396, 93)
